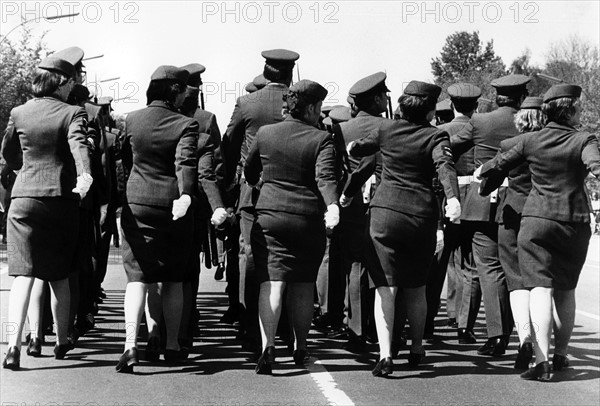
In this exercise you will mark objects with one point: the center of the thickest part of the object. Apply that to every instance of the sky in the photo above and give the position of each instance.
(339, 42)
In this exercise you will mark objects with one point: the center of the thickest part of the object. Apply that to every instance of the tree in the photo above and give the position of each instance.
(522, 66)
(464, 59)
(17, 63)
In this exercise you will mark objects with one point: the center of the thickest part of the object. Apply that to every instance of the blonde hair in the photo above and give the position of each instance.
(528, 120)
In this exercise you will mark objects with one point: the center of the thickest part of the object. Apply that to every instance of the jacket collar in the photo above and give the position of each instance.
(160, 103)
(557, 126)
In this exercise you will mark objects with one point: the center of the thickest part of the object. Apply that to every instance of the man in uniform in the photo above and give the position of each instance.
(484, 132)
(251, 112)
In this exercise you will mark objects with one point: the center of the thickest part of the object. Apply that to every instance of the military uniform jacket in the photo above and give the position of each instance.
(251, 112)
(559, 159)
(298, 168)
(411, 154)
(465, 162)
(519, 181)
(46, 140)
(160, 148)
(484, 132)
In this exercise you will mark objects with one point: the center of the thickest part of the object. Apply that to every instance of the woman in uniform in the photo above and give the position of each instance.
(288, 238)
(555, 231)
(404, 213)
(159, 147)
(46, 141)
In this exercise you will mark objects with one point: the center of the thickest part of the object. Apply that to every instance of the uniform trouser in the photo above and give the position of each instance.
(249, 286)
(86, 251)
(498, 314)
(228, 252)
(331, 283)
(106, 232)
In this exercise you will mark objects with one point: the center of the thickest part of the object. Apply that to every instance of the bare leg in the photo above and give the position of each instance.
(540, 309)
(36, 309)
(17, 309)
(519, 304)
(135, 297)
(300, 306)
(269, 310)
(416, 311)
(564, 319)
(60, 301)
(172, 302)
(154, 309)
(385, 304)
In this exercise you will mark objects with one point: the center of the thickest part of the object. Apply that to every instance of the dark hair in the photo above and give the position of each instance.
(279, 73)
(561, 110)
(465, 106)
(190, 104)
(297, 103)
(46, 83)
(416, 108)
(164, 90)
(510, 101)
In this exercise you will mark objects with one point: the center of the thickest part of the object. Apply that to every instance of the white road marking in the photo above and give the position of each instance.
(586, 314)
(327, 384)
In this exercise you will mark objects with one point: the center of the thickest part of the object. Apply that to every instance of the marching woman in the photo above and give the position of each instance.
(555, 230)
(288, 237)
(160, 149)
(404, 213)
(46, 140)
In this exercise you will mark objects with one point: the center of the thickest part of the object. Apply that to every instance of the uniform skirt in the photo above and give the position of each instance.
(552, 253)
(155, 248)
(41, 237)
(508, 232)
(287, 247)
(403, 248)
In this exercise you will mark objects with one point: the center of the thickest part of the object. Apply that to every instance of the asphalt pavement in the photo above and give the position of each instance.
(219, 372)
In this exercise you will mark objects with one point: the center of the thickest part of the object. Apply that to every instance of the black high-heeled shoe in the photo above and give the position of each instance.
(12, 359)
(127, 361)
(541, 372)
(152, 351)
(300, 357)
(60, 350)
(524, 356)
(384, 367)
(34, 348)
(264, 365)
(559, 362)
(414, 359)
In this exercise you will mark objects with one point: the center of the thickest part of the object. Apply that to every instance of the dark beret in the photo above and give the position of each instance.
(195, 70)
(340, 114)
(280, 56)
(250, 88)
(168, 72)
(532, 103)
(369, 85)
(309, 89)
(562, 90)
(259, 81)
(416, 88)
(58, 65)
(464, 91)
(511, 85)
(73, 55)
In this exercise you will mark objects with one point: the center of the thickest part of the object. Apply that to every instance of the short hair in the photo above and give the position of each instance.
(527, 120)
(510, 101)
(46, 83)
(279, 73)
(190, 104)
(297, 103)
(164, 90)
(465, 106)
(561, 110)
(416, 108)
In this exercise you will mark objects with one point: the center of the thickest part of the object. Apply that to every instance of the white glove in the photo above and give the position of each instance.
(439, 244)
(219, 216)
(349, 147)
(84, 181)
(453, 209)
(103, 212)
(332, 216)
(180, 206)
(345, 201)
(477, 173)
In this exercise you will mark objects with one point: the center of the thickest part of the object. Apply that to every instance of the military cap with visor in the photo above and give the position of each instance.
(57, 65)
(511, 85)
(422, 89)
(195, 70)
(369, 85)
(340, 114)
(464, 91)
(168, 72)
(532, 102)
(73, 55)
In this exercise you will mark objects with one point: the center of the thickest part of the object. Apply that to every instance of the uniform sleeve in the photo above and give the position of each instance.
(126, 153)
(462, 141)
(444, 164)
(11, 147)
(77, 138)
(253, 164)
(207, 178)
(361, 174)
(365, 146)
(590, 155)
(215, 135)
(185, 159)
(495, 170)
(232, 143)
(325, 171)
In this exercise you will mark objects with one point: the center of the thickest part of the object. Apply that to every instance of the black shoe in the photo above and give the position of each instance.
(339, 332)
(12, 359)
(466, 336)
(172, 356)
(494, 346)
(230, 316)
(127, 361)
(355, 345)
(60, 350)
(220, 271)
(300, 357)
(415, 359)
(524, 356)
(452, 323)
(384, 367)
(185, 345)
(264, 366)
(559, 362)
(323, 321)
(152, 351)
(34, 348)
(541, 372)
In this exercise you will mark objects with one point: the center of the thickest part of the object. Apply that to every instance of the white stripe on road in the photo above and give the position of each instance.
(590, 315)
(326, 383)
